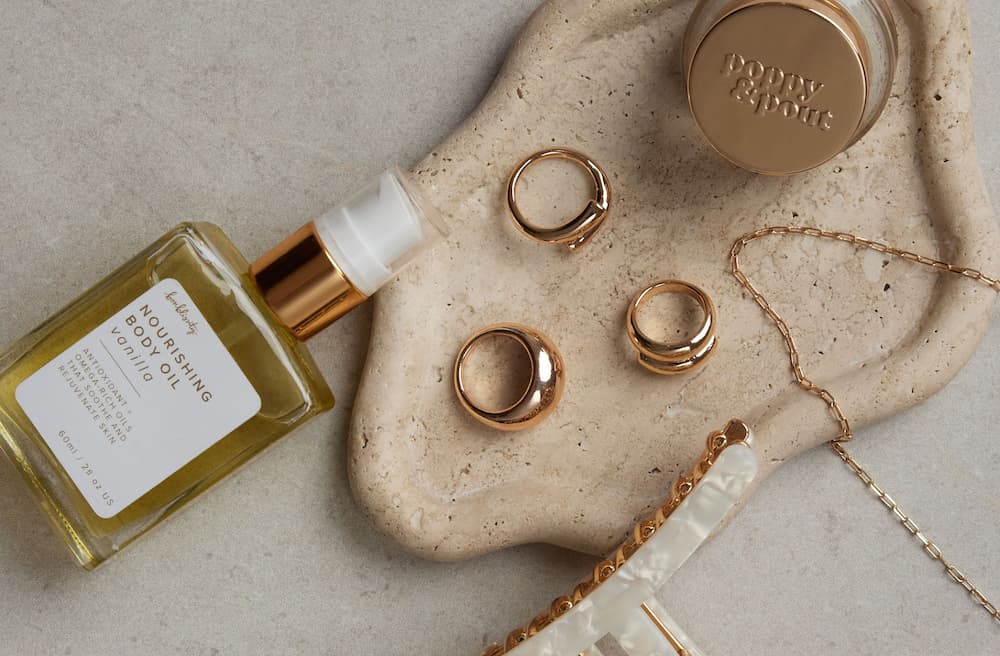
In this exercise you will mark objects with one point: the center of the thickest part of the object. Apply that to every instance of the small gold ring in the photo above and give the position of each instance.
(541, 394)
(576, 233)
(683, 357)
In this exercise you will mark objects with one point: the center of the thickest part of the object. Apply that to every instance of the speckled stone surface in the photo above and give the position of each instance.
(119, 120)
(604, 78)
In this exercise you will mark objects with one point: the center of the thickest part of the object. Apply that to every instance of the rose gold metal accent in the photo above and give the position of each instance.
(662, 628)
(846, 435)
(303, 285)
(542, 392)
(673, 359)
(576, 233)
(735, 432)
(765, 127)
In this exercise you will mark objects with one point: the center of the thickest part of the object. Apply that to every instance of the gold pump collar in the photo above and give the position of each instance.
(303, 285)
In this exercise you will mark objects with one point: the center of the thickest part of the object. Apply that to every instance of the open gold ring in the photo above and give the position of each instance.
(542, 392)
(679, 358)
(576, 233)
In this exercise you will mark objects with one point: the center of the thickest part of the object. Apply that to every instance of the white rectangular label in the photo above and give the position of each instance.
(138, 398)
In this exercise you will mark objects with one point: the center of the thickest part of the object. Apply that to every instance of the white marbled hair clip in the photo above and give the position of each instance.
(615, 613)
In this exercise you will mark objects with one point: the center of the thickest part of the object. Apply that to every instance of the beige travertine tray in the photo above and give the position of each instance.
(604, 77)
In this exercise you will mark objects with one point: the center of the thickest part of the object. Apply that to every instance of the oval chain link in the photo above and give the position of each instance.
(929, 547)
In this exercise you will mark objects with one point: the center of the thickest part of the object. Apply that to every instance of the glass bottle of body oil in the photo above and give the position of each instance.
(187, 361)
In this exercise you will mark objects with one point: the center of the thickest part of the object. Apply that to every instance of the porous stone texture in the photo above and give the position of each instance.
(882, 334)
(120, 120)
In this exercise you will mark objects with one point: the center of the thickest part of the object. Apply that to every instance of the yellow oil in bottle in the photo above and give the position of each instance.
(279, 368)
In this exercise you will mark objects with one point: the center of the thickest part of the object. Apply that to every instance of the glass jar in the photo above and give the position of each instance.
(781, 87)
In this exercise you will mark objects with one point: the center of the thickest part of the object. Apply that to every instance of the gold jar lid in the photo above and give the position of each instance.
(780, 87)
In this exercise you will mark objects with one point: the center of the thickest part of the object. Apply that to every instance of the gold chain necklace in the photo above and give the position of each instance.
(929, 547)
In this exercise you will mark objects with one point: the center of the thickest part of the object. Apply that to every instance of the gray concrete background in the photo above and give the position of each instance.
(118, 120)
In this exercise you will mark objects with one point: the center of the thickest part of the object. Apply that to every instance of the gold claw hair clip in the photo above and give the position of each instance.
(615, 612)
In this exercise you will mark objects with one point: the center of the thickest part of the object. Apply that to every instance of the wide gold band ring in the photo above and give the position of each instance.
(576, 233)
(679, 358)
(542, 392)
